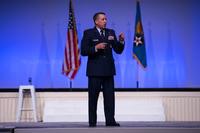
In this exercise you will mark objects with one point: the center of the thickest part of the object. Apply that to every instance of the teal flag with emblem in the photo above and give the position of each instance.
(139, 50)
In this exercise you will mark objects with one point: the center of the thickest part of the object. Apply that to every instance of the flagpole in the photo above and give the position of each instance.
(137, 76)
(70, 84)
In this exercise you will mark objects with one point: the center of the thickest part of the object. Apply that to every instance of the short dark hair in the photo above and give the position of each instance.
(96, 15)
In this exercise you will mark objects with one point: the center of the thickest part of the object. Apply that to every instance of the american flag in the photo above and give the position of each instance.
(72, 59)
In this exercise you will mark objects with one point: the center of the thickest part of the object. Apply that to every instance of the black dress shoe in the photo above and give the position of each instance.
(92, 125)
(114, 124)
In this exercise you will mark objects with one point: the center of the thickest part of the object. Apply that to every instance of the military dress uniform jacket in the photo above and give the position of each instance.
(100, 62)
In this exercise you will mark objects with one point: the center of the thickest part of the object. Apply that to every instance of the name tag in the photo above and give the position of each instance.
(95, 40)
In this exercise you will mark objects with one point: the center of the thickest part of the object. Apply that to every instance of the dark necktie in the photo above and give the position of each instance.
(102, 33)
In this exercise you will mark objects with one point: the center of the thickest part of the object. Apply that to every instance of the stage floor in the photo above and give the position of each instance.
(82, 127)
